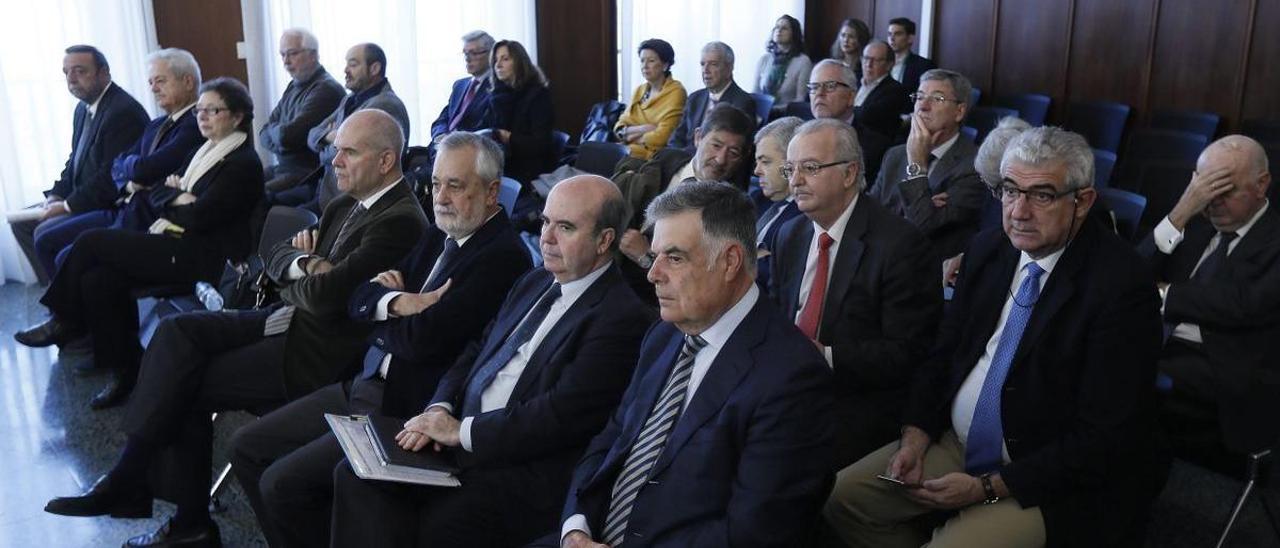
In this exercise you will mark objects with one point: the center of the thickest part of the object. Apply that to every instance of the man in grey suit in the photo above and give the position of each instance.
(930, 180)
(717, 75)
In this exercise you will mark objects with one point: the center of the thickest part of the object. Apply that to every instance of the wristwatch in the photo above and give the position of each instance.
(988, 489)
(914, 170)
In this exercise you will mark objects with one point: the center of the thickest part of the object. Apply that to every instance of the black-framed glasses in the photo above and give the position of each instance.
(936, 98)
(211, 111)
(808, 168)
(826, 87)
(1009, 194)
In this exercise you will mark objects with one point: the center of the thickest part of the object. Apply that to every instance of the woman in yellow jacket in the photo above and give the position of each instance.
(656, 106)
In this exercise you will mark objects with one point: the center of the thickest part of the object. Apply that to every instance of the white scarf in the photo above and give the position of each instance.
(208, 156)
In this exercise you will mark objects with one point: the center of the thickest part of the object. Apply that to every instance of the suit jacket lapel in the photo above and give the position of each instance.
(946, 164)
(649, 387)
(1057, 291)
(554, 339)
(794, 263)
(392, 197)
(1259, 238)
(846, 264)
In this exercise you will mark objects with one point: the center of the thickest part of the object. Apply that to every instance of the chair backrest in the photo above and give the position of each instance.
(507, 194)
(1199, 123)
(974, 95)
(984, 119)
(764, 104)
(1101, 123)
(970, 132)
(600, 121)
(1032, 107)
(1127, 208)
(600, 158)
(1157, 145)
(282, 223)
(1262, 130)
(561, 141)
(800, 110)
(1162, 183)
(1104, 161)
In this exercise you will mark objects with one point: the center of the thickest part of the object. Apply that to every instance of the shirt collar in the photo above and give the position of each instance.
(373, 199)
(463, 240)
(1244, 229)
(180, 112)
(718, 334)
(1046, 263)
(715, 96)
(873, 85)
(941, 150)
(93, 107)
(570, 291)
(837, 228)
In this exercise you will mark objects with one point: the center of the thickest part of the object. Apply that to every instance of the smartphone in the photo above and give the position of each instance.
(894, 480)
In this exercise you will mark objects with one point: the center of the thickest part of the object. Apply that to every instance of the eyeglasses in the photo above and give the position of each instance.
(211, 111)
(474, 52)
(826, 87)
(870, 59)
(937, 98)
(293, 52)
(1009, 194)
(808, 168)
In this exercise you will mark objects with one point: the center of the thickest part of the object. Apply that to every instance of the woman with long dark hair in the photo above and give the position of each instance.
(854, 35)
(783, 71)
(521, 119)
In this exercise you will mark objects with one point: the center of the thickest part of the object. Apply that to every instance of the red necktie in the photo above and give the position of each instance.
(812, 311)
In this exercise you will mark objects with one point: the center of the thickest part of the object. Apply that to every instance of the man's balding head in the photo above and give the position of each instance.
(581, 224)
(1246, 163)
(369, 144)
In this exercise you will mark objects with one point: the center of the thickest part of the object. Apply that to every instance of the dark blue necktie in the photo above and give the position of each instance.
(763, 222)
(487, 372)
(984, 447)
(373, 358)
(82, 146)
(1211, 264)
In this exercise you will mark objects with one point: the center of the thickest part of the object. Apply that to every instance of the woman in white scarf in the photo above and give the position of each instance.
(203, 221)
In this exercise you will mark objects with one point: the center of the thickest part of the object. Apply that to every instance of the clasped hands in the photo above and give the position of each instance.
(952, 491)
(434, 426)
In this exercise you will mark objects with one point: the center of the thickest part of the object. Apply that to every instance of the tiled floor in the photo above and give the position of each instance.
(51, 444)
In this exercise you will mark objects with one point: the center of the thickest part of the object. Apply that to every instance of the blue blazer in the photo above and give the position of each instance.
(424, 345)
(696, 107)
(148, 168)
(747, 463)
(764, 265)
(87, 185)
(476, 113)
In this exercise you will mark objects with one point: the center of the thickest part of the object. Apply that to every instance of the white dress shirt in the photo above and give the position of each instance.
(716, 336)
(806, 282)
(93, 111)
(967, 398)
(1167, 239)
(899, 67)
(295, 270)
(866, 90)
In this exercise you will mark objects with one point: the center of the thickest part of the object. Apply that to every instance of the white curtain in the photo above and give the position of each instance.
(746, 25)
(422, 41)
(35, 107)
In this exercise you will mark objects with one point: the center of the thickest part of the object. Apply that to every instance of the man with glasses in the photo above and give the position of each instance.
(930, 180)
(311, 95)
(831, 96)
(880, 100)
(469, 101)
(857, 281)
(1032, 422)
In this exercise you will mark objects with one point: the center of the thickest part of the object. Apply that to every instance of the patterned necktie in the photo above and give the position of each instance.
(348, 226)
(1212, 263)
(485, 375)
(984, 448)
(649, 444)
(160, 133)
(812, 311)
(82, 146)
(374, 357)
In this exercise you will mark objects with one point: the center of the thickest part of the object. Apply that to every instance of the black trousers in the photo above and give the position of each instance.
(1189, 411)
(285, 461)
(94, 287)
(198, 363)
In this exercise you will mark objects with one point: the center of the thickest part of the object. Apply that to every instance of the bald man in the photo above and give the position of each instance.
(257, 360)
(1218, 266)
(519, 407)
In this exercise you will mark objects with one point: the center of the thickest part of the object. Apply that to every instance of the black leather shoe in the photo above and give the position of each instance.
(115, 392)
(48, 333)
(104, 498)
(205, 536)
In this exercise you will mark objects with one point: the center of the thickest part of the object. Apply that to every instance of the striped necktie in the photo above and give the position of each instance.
(649, 444)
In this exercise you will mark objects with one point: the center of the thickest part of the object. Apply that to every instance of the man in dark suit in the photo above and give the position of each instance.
(771, 153)
(310, 96)
(1032, 422)
(1217, 261)
(202, 362)
(107, 120)
(469, 101)
(519, 406)
(717, 76)
(831, 96)
(723, 437)
(907, 65)
(931, 180)
(857, 281)
(880, 100)
(424, 312)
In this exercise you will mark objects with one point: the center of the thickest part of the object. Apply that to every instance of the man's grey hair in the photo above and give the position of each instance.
(781, 129)
(488, 153)
(959, 84)
(847, 75)
(847, 147)
(987, 161)
(888, 55)
(1048, 145)
(722, 48)
(727, 216)
(181, 63)
(309, 40)
(479, 36)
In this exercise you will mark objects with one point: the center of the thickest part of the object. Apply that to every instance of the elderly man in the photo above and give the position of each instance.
(469, 100)
(107, 120)
(723, 436)
(857, 281)
(907, 65)
(880, 100)
(260, 359)
(931, 179)
(310, 96)
(1033, 422)
(449, 287)
(1216, 260)
(519, 408)
(771, 154)
(717, 76)
(366, 77)
(831, 96)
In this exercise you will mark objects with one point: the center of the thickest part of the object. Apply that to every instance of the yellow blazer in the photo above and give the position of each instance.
(663, 110)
